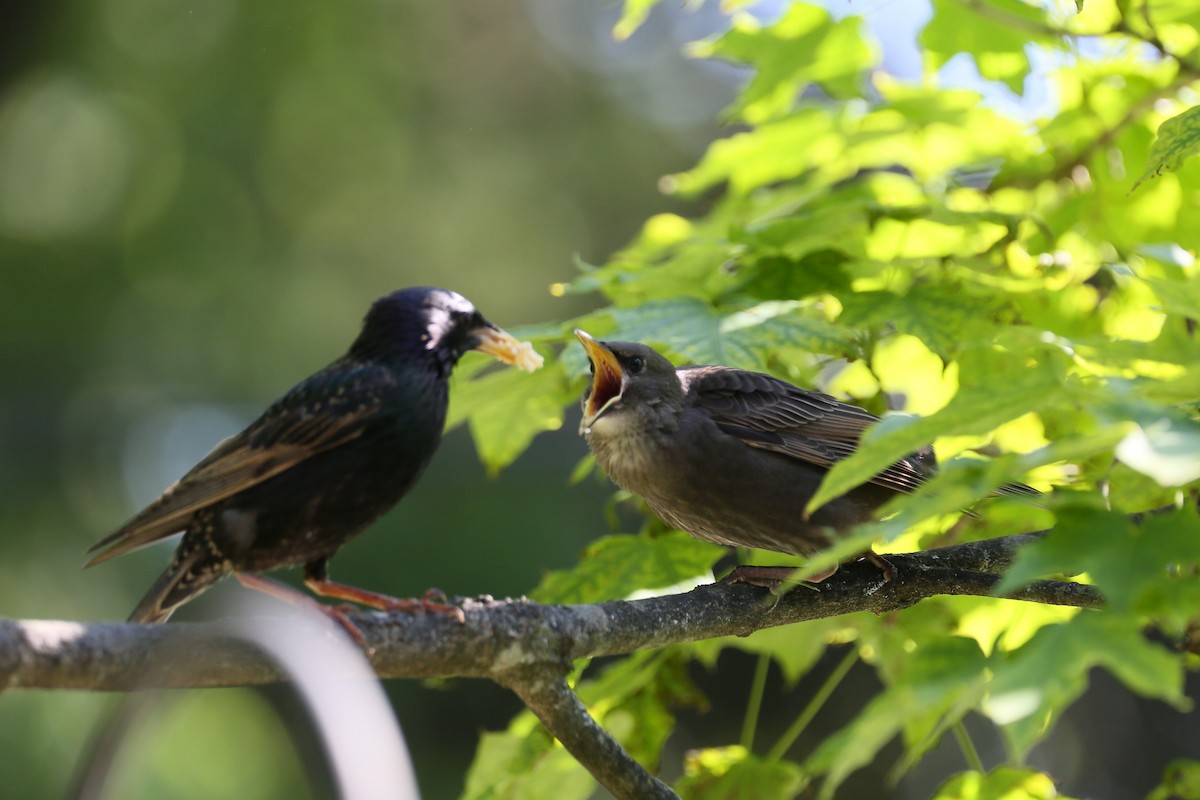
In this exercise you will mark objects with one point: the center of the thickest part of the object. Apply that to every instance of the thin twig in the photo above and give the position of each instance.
(968, 747)
(797, 727)
(754, 704)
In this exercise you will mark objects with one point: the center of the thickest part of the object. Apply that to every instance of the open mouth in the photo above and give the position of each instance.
(607, 377)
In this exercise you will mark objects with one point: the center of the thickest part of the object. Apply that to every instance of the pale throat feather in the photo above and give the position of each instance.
(628, 448)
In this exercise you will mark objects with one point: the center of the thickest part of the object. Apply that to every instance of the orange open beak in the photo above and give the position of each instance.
(504, 347)
(607, 378)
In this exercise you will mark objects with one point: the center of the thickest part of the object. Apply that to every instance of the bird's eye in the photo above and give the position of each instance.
(637, 364)
(591, 366)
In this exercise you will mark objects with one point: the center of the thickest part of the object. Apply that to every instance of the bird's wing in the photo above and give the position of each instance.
(771, 414)
(324, 412)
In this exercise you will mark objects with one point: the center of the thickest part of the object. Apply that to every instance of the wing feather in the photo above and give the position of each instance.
(771, 414)
(289, 432)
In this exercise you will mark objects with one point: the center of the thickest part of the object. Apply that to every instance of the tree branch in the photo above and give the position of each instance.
(569, 721)
(522, 645)
(503, 635)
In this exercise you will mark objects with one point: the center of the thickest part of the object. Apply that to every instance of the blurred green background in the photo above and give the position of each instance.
(198, 202)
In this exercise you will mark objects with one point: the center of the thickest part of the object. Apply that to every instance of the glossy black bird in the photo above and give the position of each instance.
(732, 456)
(322, 462)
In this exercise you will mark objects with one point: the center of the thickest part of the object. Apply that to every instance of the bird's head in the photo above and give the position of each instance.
(629, 381)
(437, 325)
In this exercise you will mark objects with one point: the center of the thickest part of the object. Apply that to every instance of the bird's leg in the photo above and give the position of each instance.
(316, 578)
(281, 591)
(383, 602)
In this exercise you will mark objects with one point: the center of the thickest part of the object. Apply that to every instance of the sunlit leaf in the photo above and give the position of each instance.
(636, 700)
(733, 773)
(744, 338)
(774, 151)
(633, 14)
(1032, 685)
(940, 681)
(795, 648)
(999, 49)
(1165, 448)
(506, 408)
(1002, 783)
(1181, 781)
(1150, 569)
(525, 763)
(1178, 139)
(616, 566)
(805, 45)
(940, 317)
(994, 388)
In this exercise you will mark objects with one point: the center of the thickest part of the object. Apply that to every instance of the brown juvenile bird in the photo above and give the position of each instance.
(732, 456)
(321, 463)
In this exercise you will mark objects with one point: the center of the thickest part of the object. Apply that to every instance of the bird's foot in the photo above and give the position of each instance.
(384, 602)
(340, 615)
(434, 601)
(882, 564)
(771, 578)
(281, 591)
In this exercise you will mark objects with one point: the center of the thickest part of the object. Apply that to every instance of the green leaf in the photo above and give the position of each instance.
(635, 700)
(1151, 569)
(1005, 626)
(1165, 447)
(805, 139)
(995, 387)
(732, 773)
(998, 49)
(615, 567)
(695, 332)
(958, 485)
(633, 15)
(834, 229)
(1181, 781)
(939, 682)
(1002, 783)
(795, 648)
(941, 317)
(1060, 554)
(525, 763)
(1034, 683)
(805, 45)
(779, 276)
(506, 408)
(1179, 296)
(1178, 139)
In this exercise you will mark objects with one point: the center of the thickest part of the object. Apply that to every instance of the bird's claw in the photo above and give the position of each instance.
(434, 601)
(882, 564)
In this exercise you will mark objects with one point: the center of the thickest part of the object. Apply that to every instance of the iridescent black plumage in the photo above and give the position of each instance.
(732, 456)
(323, 461)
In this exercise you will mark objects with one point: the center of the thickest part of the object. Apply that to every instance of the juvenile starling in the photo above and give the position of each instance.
(732, 456)
(321, 463)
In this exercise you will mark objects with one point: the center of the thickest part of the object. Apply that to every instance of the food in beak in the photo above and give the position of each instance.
(607, 377)
(504, 347)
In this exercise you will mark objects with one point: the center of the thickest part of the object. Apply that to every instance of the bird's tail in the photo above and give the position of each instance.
(178, 584)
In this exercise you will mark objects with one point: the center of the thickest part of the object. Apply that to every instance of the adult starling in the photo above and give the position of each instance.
(732, 456)
(321, 463)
